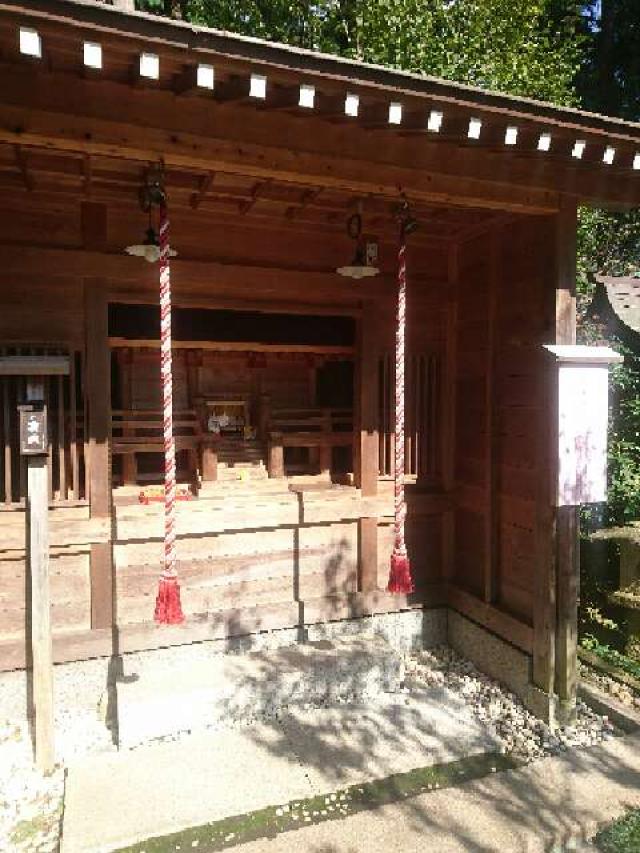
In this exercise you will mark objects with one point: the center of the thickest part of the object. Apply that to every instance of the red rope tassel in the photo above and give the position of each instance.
(400, 572)
(168, 606)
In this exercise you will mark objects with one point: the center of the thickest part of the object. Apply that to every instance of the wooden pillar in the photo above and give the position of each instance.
(98, 385)
(449, 407)
(275, 457)
(491, 429)
(367, 457)
(125, 363)
(41, 641)
(568, 579)
(555, 599)
(98, 422)
(367, 389)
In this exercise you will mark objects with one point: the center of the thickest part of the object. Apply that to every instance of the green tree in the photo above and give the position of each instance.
(526, 47)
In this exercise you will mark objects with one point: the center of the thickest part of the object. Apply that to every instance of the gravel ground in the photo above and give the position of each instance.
(622, 692)
(30, 804)
(518, 731)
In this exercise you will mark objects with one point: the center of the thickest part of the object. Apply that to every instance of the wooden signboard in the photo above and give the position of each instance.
(583, 410)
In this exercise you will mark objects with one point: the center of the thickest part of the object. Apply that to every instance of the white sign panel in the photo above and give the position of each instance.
(583, 405)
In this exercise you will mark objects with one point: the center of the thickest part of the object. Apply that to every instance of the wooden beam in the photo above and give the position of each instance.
(26, 109)
(250, 280)
(503, 624)
(219, 625)
(206, 182)
(234, 346)
(128, 141)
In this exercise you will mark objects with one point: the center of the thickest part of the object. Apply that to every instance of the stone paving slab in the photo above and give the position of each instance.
(115, 800)
(547, 806)
(351, 744)
(118, 799)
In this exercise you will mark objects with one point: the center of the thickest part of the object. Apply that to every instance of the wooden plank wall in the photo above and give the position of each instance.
(502, 321)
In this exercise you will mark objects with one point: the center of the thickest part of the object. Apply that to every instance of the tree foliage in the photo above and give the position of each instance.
(526, 47)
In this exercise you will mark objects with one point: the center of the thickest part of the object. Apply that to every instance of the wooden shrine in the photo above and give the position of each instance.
(283, 369)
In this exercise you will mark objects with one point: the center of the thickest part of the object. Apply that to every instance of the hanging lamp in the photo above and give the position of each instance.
(359, 266)
(149, 249)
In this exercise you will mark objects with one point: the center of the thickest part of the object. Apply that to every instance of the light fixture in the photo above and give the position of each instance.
(636, 162)
(609, 155)
(359, 267)
(151, 195)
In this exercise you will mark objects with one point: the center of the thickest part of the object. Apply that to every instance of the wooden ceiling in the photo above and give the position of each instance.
(39, 173)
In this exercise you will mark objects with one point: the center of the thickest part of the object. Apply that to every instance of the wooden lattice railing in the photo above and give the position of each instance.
(422, 436)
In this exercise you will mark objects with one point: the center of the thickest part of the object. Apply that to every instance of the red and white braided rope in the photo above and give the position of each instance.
(166, 369)
(400, 505)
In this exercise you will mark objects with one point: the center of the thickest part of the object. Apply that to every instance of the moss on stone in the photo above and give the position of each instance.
(271, 821)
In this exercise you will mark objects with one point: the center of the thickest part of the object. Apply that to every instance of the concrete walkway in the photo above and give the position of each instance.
(531, 810)
(117, 799)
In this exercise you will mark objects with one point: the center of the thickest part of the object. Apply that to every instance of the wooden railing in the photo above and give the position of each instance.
(318, 429)
(135, 431)
(422, 436)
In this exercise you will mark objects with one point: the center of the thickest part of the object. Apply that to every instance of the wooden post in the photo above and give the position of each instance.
(98, 384)
(491, 438)
(125, 363)
(368, 457)
(275, 462)
(555, 594)
(41, 642)
(449, 407)
(568, 577)
(325, 450)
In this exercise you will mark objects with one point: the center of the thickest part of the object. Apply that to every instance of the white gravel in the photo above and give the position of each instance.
(518, 731)
(30, 803)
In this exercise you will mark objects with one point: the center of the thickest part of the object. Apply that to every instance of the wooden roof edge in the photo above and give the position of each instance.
(182, 35)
